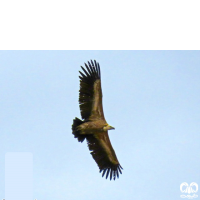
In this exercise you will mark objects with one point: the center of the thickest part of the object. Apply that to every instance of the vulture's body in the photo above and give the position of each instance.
(94, 127)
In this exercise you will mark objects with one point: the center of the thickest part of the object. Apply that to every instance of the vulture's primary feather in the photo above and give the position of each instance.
(94, 127)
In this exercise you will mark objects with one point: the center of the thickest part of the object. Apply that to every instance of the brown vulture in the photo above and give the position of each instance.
(94, 127)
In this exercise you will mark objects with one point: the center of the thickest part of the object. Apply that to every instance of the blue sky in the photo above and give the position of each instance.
(151, 98)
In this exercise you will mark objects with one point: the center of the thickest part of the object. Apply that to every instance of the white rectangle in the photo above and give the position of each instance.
(19, 176)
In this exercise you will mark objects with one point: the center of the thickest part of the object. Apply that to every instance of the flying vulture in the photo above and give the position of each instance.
(93, 126)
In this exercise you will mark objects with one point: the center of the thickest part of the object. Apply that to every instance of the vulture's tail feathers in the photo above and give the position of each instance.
(76, 132)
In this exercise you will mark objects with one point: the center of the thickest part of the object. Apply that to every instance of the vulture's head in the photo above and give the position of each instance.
(108, 127)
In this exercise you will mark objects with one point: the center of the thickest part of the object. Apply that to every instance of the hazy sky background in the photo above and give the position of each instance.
(152, 98)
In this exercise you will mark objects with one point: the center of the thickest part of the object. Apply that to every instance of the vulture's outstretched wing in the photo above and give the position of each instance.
(90, 94)
(104, 155)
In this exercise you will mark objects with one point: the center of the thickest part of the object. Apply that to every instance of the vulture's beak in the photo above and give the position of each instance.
(111, 128)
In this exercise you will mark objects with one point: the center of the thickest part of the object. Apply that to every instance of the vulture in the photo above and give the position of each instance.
(93, 126)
